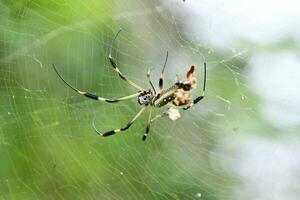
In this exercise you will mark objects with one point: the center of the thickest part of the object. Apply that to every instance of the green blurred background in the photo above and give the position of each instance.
(48, 149)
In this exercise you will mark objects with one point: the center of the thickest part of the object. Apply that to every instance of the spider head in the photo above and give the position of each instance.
(145, 97)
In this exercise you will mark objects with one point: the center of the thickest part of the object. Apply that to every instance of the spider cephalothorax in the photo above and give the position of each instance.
(145, 97)
(178, 95)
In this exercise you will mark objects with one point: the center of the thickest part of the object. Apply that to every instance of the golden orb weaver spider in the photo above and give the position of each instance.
(178, 95)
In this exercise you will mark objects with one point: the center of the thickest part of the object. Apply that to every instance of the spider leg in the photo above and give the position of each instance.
(150, 121)
(149, 81)
(199, 98)
(111, 132)
(161, 79)
(93, 96)
(148, 124)
(114, 65)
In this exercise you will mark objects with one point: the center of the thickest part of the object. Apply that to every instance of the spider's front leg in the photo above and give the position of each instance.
(161, 79)
(111, 132)
(149, 81)
(148, 125)
(115, 66)
(172, 113)
(94, 96)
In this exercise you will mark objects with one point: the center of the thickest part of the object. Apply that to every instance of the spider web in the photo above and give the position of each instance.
(216, 150)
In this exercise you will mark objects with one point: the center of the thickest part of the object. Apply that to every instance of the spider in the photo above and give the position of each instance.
(176, 96)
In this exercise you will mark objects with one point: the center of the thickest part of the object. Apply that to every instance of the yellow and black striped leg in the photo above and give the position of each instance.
(93, 96)
(199, 98)
(148, 125)
(111, 132)
(149, 81)
(161, 79)
(114, 65)
(194, 102)
(150, 122)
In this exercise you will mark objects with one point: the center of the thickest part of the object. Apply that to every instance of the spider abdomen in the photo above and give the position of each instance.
(165, 97)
